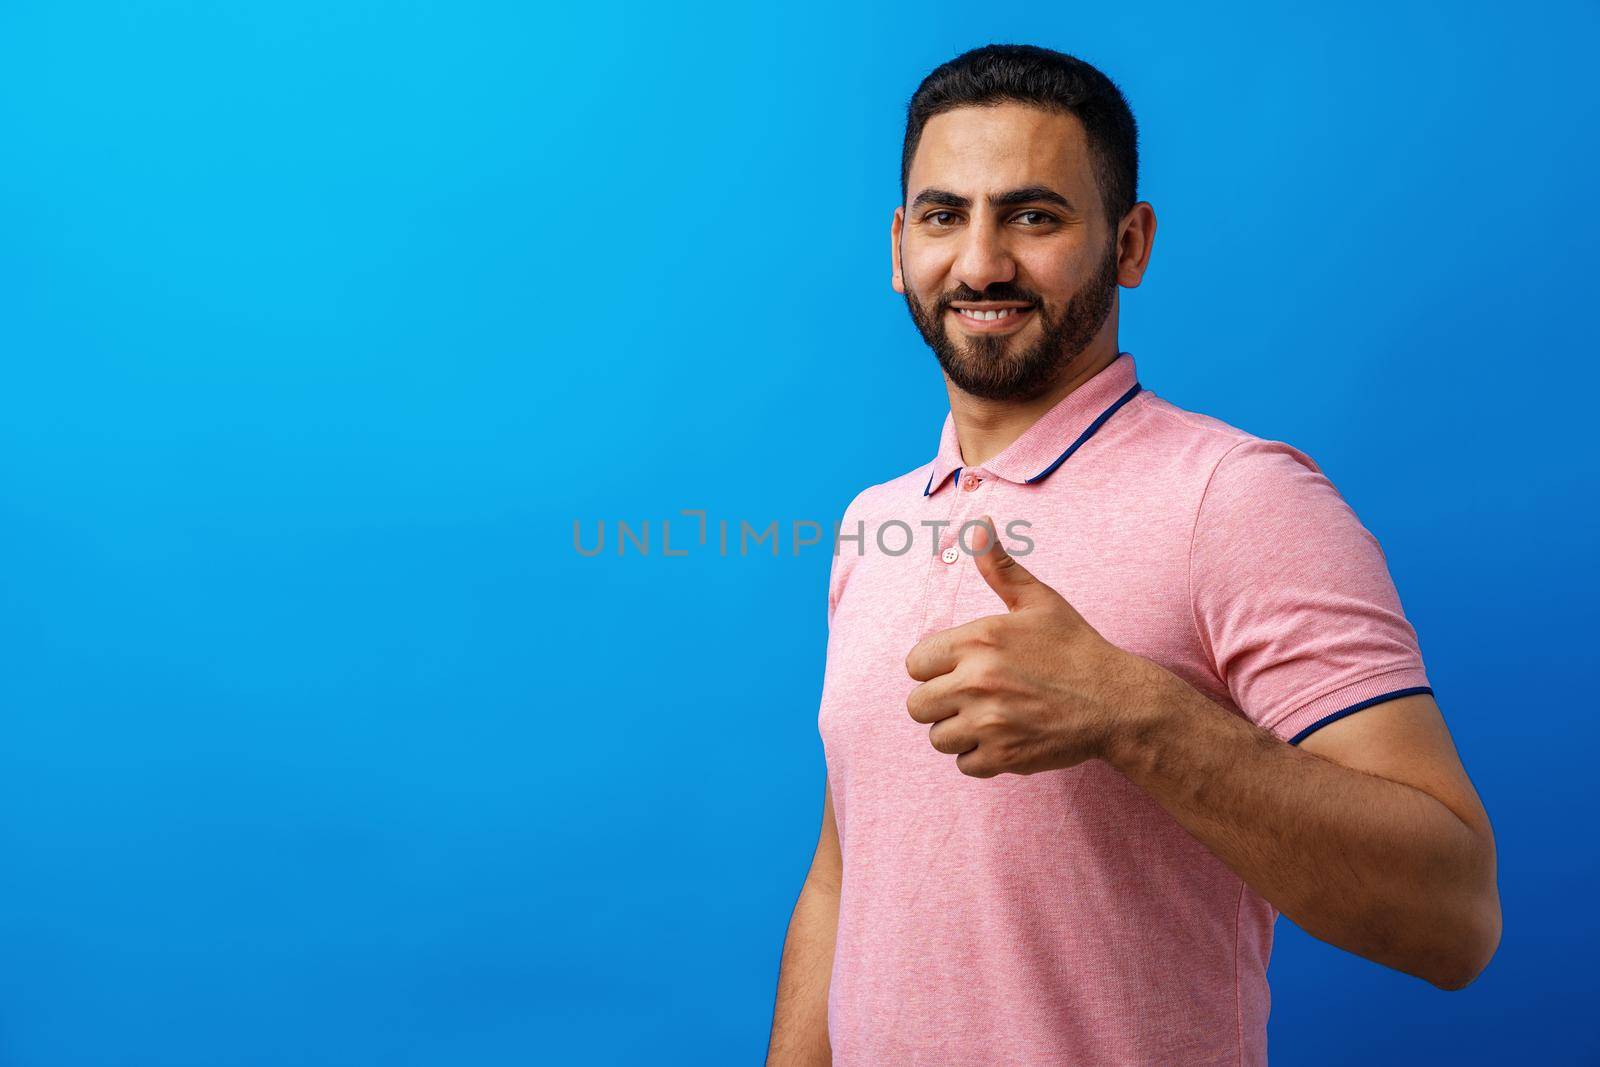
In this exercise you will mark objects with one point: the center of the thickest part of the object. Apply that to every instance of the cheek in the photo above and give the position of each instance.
(924, 270)
(1056, 277)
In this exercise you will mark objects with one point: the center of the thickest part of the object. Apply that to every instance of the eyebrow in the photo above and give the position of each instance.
(1027, 194)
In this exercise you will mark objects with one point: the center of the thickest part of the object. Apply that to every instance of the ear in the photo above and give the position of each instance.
(895, 229)
(1135, 244)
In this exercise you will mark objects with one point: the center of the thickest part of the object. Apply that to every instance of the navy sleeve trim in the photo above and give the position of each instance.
(1353, 708)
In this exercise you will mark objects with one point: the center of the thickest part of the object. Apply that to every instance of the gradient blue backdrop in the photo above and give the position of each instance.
(321, 323)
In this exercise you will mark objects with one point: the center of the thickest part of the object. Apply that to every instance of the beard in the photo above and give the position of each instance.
(1000, 367)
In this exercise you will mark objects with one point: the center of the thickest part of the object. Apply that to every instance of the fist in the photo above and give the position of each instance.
(1035, 688)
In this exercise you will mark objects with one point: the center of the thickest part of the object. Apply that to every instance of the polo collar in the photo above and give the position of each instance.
(1054, 436)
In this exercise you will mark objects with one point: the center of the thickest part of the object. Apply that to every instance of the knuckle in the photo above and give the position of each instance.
(1018, 572)
(986, 633)
(974, 769)
(985, 673)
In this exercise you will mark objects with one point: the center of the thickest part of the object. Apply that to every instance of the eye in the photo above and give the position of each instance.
(932, 215)
(1045, 217)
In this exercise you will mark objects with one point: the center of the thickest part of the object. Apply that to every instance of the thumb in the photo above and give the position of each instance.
(1010, 579)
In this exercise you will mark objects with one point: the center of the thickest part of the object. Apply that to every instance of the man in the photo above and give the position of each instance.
(1143, 684)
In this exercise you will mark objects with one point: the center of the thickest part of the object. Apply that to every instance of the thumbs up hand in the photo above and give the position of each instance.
(1034, 689)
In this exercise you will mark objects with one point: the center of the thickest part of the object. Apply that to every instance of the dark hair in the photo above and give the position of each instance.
(1027, 74)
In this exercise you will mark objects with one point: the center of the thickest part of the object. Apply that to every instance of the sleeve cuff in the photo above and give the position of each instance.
(1348, 699)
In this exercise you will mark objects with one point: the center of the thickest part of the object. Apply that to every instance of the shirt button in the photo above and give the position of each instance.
(950, 555)
(970, 482)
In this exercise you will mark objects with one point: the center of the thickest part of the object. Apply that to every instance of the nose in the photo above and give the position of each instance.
(983, 259)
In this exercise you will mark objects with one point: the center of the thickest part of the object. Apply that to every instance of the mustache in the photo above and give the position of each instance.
(1000, 293)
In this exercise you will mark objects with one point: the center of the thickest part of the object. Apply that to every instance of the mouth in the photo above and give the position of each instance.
(991, 320)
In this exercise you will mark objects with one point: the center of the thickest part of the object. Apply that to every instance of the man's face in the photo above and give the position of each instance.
(1054, 263)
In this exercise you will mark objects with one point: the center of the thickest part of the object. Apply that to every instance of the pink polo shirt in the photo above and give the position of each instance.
(1065, 917)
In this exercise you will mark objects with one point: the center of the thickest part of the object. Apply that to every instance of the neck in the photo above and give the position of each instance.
(986, 427)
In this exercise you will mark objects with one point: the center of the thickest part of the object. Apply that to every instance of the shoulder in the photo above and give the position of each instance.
(1237, 489)
(1262, 499)
(869, 509)
(888, 498)
(1215, 445)
(1209, 441)
(1185, 459)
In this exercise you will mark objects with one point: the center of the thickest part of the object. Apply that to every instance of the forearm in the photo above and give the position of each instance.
(800, 1015)
(1370, 865)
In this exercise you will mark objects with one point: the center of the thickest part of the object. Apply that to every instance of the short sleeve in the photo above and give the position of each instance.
(1292, 596)
(850, 525)
(835, 586)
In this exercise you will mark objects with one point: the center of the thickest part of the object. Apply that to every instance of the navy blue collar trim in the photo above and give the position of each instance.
(1082, 437)
(953, 476)
(1086, 434)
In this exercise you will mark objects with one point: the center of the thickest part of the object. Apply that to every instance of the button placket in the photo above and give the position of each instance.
(969, 500)
(943, 577)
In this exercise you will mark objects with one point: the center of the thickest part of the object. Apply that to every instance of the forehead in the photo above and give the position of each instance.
(973, 150)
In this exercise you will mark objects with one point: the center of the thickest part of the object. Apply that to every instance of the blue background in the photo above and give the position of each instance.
(321, 324)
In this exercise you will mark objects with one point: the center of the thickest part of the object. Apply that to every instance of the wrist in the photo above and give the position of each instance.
(1155, 695)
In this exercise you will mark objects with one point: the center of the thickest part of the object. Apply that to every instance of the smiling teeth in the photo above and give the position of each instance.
(988, 315)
